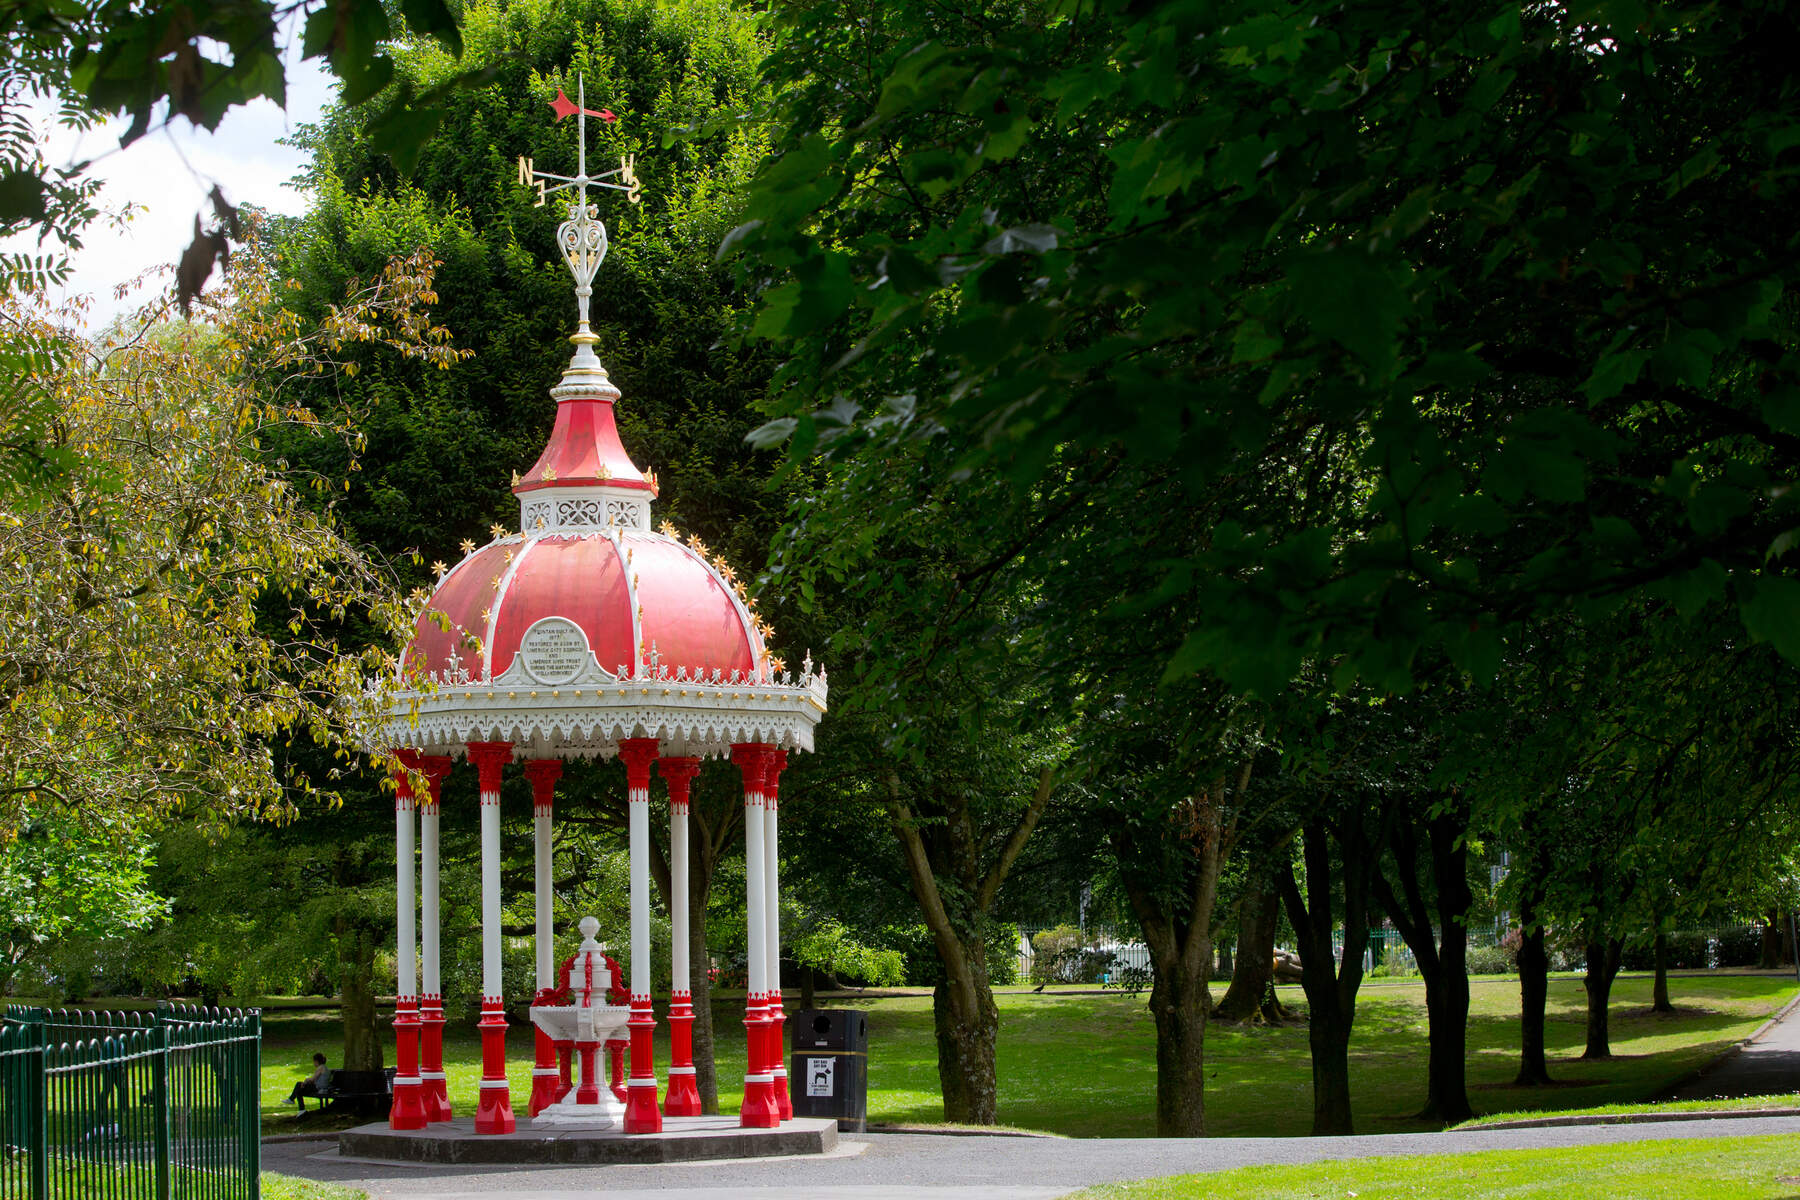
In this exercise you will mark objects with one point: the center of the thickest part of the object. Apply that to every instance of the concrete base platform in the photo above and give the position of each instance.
(683, 1139)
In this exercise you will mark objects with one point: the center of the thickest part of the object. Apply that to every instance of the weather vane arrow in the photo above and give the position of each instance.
(562, 106)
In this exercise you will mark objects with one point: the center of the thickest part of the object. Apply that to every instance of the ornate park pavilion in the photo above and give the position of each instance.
(589, 635)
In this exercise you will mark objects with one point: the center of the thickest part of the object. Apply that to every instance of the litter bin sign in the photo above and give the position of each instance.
(828, 1072)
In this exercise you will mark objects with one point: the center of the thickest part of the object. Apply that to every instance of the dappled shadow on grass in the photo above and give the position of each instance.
(1084, 1064)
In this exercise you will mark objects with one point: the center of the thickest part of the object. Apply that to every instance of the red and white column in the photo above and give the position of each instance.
(777, 1019)
(641, 1113)
(408, 1111)
(495, 1112)
(546, 1080)
(436, 1095)
(683, 1096)
(759, 1109)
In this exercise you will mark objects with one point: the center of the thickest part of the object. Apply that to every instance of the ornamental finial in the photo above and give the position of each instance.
(582, 238)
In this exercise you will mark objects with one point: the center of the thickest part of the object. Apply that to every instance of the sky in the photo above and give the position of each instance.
(167, 174)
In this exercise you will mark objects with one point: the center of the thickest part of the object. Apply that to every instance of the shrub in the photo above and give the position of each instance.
(919, 957)
(1491, 960)
(1740, 946)
(1062, 955)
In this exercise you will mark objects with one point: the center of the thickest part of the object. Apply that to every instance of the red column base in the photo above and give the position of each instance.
(431, 1066)
(544, 1080)
(774, 1035)
(546, 1089)
(641, 1114)
(759, 1110)
(435, 1094)
(495, 1114)
(408, 1111)
(683, 1097)
(784, 1104)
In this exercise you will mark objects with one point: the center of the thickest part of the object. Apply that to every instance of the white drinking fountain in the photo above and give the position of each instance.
(588, 1021)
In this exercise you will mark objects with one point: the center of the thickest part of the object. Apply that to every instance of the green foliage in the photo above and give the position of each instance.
(443, 446)
(1497, 299)
(151, 60)
(174, 607)
(1488, 960)
(830, 948)
(63, 879)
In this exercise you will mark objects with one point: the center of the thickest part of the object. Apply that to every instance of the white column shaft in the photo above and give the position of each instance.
(772, 893)
(755, 907)
(490, 895)
(678, 899)
(545, 936)
(405, 905)
(639, 804)
(428, 900)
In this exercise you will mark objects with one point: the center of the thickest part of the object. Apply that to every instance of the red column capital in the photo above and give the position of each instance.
(752, 758)
(403, 793)
(678, 773)
(638, 754)
(543, 774)
(490, 758)
(772, 776)
(436, 768)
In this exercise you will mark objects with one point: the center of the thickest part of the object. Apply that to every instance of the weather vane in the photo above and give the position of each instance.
(582, 238)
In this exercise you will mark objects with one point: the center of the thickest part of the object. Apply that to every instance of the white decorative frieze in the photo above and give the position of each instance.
(583, 508)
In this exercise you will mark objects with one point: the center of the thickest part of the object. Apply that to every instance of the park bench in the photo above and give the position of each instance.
(360, 1091)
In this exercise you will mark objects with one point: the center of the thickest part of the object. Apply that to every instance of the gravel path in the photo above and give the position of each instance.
(936, 1167)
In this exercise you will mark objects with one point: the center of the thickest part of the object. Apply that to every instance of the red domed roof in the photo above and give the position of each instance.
(632, 593)
(586, 627)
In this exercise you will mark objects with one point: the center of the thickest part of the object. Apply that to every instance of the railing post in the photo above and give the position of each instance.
(250, 1104)
(37, 1109)
(159, 1085)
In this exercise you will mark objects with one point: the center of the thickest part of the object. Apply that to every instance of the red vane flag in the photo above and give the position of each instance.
(565, 107)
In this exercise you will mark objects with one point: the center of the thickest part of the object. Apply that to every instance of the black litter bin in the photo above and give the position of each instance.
(829, 1072)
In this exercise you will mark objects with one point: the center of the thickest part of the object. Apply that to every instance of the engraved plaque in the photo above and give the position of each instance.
(554, 650)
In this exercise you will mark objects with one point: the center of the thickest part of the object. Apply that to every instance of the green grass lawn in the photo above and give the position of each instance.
(1084, 1064)
(289, 1187)
(1759, 1168)
(1740, 1104)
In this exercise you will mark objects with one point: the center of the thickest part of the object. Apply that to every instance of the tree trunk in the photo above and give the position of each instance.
(1442, 953)
(1251, 994)
(1602, 966)
(1447, 1015)
(1331, 999)
(963, 1010)
(1659, 997)
(966, 1036)
(1177, 928)
(356, 991)
(706, 1076)
(1534, 992)
(809, 983)
(1179, 1009)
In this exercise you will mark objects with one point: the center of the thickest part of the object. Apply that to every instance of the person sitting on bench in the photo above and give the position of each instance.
(313, 1085)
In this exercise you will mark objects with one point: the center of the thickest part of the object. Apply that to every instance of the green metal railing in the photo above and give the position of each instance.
(160, 1105)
